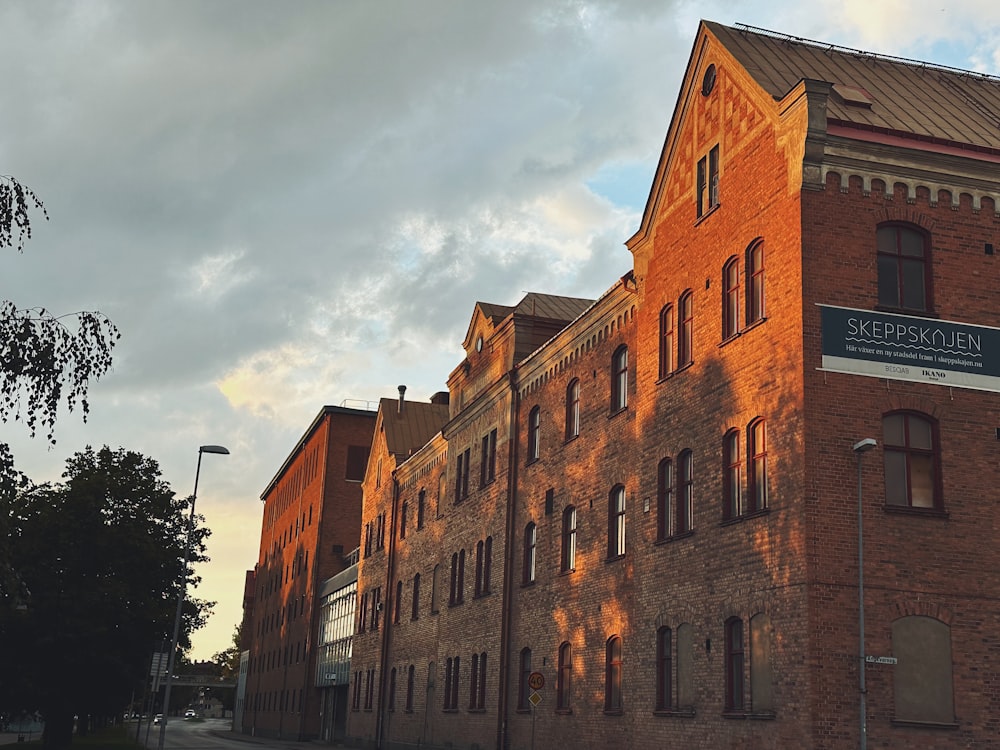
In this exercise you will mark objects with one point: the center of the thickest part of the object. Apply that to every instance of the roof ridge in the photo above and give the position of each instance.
(863, 53)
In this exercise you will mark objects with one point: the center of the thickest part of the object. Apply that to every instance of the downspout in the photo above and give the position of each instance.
(508, 567)
(387, 608)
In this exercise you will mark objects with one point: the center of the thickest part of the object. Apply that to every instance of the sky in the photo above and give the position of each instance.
(289, 205)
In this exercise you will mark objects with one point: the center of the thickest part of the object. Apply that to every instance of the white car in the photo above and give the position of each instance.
(157, 719)
(190, 714)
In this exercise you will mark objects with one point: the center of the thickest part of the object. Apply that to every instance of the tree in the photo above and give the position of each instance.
(229, 660)
(42, 362)
(100, 557)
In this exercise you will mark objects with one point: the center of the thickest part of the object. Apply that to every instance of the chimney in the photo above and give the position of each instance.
(402, 393)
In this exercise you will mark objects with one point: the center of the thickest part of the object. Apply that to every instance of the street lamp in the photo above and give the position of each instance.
(861, 447)
(180, 597)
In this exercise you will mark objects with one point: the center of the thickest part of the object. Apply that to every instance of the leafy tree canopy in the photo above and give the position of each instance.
(99, 556)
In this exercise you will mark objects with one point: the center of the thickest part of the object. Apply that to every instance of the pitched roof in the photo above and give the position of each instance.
(873, 91)
(412, 427)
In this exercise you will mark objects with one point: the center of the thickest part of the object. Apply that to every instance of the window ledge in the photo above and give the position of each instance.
(680, 713)
(614, 558)
(477, 710)
(685, 366)
(675, 537)
(745, 517)
(614, 413)
(902, 311)
(707, 213)
(527, 584)
(567, 572)
(614, 712)
(564, 711)
(925, 724)
(907, 510)
(449, 710)
(570, 438)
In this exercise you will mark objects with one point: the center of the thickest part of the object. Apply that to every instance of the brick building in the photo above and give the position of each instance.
(311, 518)
(638, 524)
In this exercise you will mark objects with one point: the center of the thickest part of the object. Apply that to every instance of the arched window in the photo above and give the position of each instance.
(756, 466)
(530, 540)
(734, 664)
(392, 689)
(568, 556)
(415, 606)
(409, 688)
(573, 409)
(755, 282)
(664, 499)
(732, 479)
(397, 605)
(534, 430)
(664, 669)
(616, 522)
(402, 520)
(685, 322)
(619, 379)
(910, 450)
(666, 341)
(613, 674)
(903, 268)
(435, 575)
(685, 492)
(523, 689)
(564, 676)
(731, 310)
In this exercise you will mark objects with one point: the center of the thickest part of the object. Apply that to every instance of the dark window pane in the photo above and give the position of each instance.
(892, 430)
(913, 285)
(895, 478)
(888, 281)
(922, 479)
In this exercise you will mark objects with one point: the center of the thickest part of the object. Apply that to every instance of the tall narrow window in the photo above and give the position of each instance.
(397, 605)
(564, 676)
(392, 689)
(757, 466)
(402, 519)
(731, 310)
(376, 606)
(616, 522)
(523, 689)
(488, 459)
(903, 268)
(409, 689)
(666, 341)
(910, 453)
(613, 675)
(530, 540)
(421, 502)
(732, 480)
(755, 282)
(534, 430)
(462, 476)
(435, 576)
(573, 409)
(487, 564)
(415, 604)
(478, 588)
(664, 500)
(455, 588)
(685, 321)
(685, 492)
(708, 182)
(619, 379)
(568, 556)
(449, 678)
(473, 681)
(664, 670)
(454, 682)
(761, 676)
(477, 691)
(734, 664)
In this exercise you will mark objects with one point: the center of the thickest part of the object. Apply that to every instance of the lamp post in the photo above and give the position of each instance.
(861, 447)
(183, 592)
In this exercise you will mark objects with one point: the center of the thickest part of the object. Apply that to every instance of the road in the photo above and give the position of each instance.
(211, 734)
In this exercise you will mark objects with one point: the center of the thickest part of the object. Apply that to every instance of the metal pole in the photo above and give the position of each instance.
(180, 605)
(861, 615)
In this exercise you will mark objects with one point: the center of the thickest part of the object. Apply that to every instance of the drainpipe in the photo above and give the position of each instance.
(509, 561)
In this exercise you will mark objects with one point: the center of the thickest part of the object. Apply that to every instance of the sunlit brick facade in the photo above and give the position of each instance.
(636, 526)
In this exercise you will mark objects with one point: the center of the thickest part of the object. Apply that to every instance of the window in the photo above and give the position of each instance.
(910, 452)
(392, 689)
(755, 282)
(666, 340)
(903, 279)
(376, 606)
(435, 576)
(369, 689)
(380, 531)
(534, 428)
(922, 677)
(664, 670)
(685, 320)
(732, 479)
(568, 556)
(356, 695)
(462, 476)
(708, 182)
(415, 605)
(409, 689)
(613, 674)
(619, 379)
(398, 604)
(451, 672)
(477, 685)
(523, 690)
(564, 676)
(734, 664)
(761, 677)
(685, 492)
(421, 502)
(488, 459)
(456, 595)
(357, 462)
(402, 520)
(573, 409)
(616, 522)
(530, 541)
(664, 499)
(731, 310)
(757, 466)
(484, 553)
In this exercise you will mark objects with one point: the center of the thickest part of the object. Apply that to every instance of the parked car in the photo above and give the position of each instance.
(157, 719)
